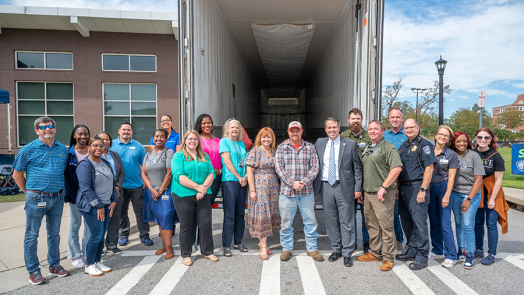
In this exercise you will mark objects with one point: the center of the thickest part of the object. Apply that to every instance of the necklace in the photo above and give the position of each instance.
(212, 149)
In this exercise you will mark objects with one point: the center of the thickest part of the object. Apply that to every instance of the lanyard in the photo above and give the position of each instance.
(370, 151)
(241, 162)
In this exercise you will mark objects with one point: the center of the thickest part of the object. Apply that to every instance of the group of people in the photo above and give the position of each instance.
(397, 177)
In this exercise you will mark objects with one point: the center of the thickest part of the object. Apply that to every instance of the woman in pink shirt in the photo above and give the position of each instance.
(204, 126)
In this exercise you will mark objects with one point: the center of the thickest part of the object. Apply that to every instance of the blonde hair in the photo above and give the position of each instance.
(225, 132)
(201, 156)
(447, 128)
(264, 132)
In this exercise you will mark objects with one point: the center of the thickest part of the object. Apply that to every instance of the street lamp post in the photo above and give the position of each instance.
(441, 66)
(417, 91)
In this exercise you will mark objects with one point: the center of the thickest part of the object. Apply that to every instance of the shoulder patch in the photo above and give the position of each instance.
(426, 150)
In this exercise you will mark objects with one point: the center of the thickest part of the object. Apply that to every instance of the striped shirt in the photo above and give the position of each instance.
(44, 165)
(293, 164)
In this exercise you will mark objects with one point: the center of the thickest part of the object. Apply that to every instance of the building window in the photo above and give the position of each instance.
(521, 101)
(501, 126)
(521, 108)
(44, 60)
(133, 103)
(37, 99)
(128, 62)
(515, 130)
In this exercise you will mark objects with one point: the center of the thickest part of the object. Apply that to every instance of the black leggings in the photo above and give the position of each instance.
(189, 210)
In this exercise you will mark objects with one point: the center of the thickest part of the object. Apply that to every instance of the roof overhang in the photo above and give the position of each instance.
(86, 20)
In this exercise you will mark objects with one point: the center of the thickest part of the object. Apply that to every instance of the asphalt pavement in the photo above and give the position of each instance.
(139, 271)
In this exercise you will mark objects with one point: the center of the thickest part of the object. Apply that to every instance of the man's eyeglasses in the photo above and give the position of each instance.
(443, 135)
(96, 146)
(485, 138)
(44, 127)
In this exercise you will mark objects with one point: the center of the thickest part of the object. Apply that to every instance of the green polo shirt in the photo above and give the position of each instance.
(197, 171)
(362, 140)
(378, 163)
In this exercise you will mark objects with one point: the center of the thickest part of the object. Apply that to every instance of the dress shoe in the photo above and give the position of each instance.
(404, 257)
(187, 262)
(366, 247)
(417, 265)
(160, 251)
(285, 256)
(386, 265)
(368, 257)
(348, 262)
(334, 256)
(315, 255)
(212, 258)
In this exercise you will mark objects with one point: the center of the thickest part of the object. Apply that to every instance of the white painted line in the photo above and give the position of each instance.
(147, 253)
(169, 281)
(505, 255)
(449, 279)
(310, 278)
(515, 260)
(270, 281)
(411, 280)
(132, 278)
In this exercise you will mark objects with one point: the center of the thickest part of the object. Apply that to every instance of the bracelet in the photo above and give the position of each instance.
(252, 190)
(384, 187)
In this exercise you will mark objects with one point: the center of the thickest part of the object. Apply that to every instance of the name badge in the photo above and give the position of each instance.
(361, 145)
(444, 161)
(41, 204)
(132, 148)
(165, 196)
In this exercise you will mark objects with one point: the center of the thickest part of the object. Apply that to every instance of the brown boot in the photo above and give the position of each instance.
(368, 258)
(315, 255)
(386, 265)
(285, 256)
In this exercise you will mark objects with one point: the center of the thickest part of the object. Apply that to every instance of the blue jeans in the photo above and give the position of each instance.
(98, 228)
(288, 209)
(490, 216)
(53, 212)
(465, 223)
(73, 241)
(441, 232)
(365, 234)
(234, 201)
(398, 226)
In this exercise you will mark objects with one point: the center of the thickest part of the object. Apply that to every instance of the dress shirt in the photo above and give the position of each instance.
(325, 166)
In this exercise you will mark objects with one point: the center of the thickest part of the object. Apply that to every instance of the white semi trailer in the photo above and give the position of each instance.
(268, 62)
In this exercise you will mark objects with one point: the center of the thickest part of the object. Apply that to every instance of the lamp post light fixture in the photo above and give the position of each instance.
(441, 66)
(417, 91)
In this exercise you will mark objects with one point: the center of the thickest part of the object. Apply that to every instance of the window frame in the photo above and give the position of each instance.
(18, 115)
(130, 102)
(129, 63)
(45, 60)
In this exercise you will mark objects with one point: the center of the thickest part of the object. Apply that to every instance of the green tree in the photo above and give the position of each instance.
(502, 134)
(467, 120)
(428, 100)
(511, 119)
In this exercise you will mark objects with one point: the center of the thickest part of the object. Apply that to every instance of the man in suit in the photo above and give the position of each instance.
(340, 180)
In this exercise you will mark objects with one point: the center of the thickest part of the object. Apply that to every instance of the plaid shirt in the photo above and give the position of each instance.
(296, 165)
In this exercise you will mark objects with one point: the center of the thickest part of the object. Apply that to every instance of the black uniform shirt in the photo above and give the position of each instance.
(416, 156)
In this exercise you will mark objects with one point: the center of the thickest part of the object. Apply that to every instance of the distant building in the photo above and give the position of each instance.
(518, 105)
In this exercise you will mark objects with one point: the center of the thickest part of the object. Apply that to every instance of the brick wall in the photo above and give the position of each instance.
(87, 74)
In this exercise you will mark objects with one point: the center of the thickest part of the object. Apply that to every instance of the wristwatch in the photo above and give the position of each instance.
(422, 189)
(468, 198)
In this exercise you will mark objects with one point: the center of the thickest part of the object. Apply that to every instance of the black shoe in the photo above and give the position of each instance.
(404, 257)
(366, 247)
(417, 265)
(334, 256)
(114, 251)
(348, 262)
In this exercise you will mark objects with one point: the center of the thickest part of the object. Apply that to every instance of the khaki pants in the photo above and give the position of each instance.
(380, 224)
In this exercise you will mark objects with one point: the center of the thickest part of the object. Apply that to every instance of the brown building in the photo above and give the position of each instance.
(87, 66)
(518, 105)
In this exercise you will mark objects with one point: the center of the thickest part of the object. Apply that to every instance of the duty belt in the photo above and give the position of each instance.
(408, 183)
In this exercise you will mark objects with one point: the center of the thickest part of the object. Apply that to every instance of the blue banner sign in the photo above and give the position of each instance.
(517, 159)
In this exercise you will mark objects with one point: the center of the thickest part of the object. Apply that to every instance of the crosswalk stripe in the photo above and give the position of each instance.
(132, 278)
(310, 277)
(449, 279)
(270, 280)
(169, 281)
(515, 260)
(411, 280)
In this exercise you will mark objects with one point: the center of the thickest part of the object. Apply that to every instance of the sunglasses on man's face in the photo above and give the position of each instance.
(44, 127)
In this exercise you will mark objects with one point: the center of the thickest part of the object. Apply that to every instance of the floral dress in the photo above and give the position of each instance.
(263, 214)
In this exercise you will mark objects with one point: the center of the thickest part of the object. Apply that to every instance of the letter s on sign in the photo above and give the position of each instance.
(521, 154)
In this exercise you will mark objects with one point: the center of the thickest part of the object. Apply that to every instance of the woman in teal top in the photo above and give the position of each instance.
(193, 175)
(234, 185)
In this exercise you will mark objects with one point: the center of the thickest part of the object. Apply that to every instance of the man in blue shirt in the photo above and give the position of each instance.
(396, 136)
(132, 154)
(43, 161)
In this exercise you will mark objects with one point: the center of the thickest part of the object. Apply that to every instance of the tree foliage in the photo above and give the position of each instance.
(428, 100)
(511, 119)
(467, 120)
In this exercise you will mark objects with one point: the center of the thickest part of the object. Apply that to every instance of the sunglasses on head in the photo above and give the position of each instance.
(44, 127)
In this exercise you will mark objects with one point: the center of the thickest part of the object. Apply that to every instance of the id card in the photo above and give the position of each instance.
(41, 204)
(444, 161)
(361, 145)
(165, 197)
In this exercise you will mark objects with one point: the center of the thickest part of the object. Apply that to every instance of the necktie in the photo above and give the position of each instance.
(332, 173)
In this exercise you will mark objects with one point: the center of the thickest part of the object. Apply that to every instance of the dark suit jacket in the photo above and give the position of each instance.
(349, 166)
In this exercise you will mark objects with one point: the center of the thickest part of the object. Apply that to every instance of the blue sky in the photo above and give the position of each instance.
(482, 40)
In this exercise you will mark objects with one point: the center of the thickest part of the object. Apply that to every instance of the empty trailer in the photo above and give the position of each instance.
(270, 62)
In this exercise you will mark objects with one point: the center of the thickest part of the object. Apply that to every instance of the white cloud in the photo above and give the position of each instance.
(519, 85)
(144, 5)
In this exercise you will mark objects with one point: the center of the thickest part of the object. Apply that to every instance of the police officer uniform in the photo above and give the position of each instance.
(416, 155)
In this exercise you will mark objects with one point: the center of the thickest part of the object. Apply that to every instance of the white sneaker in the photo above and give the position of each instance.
(102, 267)
(78, 263)
(449, 263)
(435, 256)
(93, 271)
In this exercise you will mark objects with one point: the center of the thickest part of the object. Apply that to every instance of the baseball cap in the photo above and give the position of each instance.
(294, 124)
